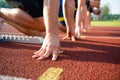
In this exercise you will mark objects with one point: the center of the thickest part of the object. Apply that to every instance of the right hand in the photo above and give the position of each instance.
(50, 46)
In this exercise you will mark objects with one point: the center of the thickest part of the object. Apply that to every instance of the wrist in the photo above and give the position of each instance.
(52, 32)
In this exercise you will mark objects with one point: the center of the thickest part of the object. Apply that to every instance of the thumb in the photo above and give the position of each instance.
(54, 55)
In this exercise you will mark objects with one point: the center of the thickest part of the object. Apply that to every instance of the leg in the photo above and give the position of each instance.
(29, 32)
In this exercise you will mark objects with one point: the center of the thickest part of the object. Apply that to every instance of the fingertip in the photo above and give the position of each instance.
(54, 58)
(66, 37)
(73, 39)
(35, 52)
(41, 58)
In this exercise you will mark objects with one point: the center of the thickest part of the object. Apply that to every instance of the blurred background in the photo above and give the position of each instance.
(110, 13)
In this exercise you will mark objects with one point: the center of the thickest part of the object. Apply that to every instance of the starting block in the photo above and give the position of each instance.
(21, 39)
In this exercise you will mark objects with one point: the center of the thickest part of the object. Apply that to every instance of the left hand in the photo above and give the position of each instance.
(70, 35)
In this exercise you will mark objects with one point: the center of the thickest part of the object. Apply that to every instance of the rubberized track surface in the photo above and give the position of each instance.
(90, 58)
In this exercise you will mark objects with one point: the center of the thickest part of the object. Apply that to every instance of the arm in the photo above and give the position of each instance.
(51, 42)
(68, 13)
(80, 16)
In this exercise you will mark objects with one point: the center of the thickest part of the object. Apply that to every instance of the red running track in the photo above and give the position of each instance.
(90, 58)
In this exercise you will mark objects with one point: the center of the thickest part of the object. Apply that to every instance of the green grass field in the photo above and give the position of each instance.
(106, 23)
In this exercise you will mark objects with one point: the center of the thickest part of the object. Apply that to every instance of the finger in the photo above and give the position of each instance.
(54, 55)
(45, 55)
(66, 37)
(85, 29)
(38, 51)
(78, 35)
(39, 54)
(35, 55)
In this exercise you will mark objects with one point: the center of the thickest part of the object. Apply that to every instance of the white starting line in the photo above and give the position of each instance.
(106, 37)
(2, 77)
(21, 39)
(39, 40)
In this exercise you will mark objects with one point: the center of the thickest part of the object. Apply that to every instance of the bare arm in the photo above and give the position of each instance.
(68, 12)
(51, 42)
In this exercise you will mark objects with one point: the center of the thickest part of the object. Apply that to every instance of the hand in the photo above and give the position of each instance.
(49, 47)
(70, 35)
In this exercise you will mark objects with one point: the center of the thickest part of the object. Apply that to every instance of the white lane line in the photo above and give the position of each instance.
(106, 37)
(2, 77)
(22, 39)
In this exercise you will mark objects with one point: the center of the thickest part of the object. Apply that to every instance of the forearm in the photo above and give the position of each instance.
(68, 12)
(80, 13)
(50, 13)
